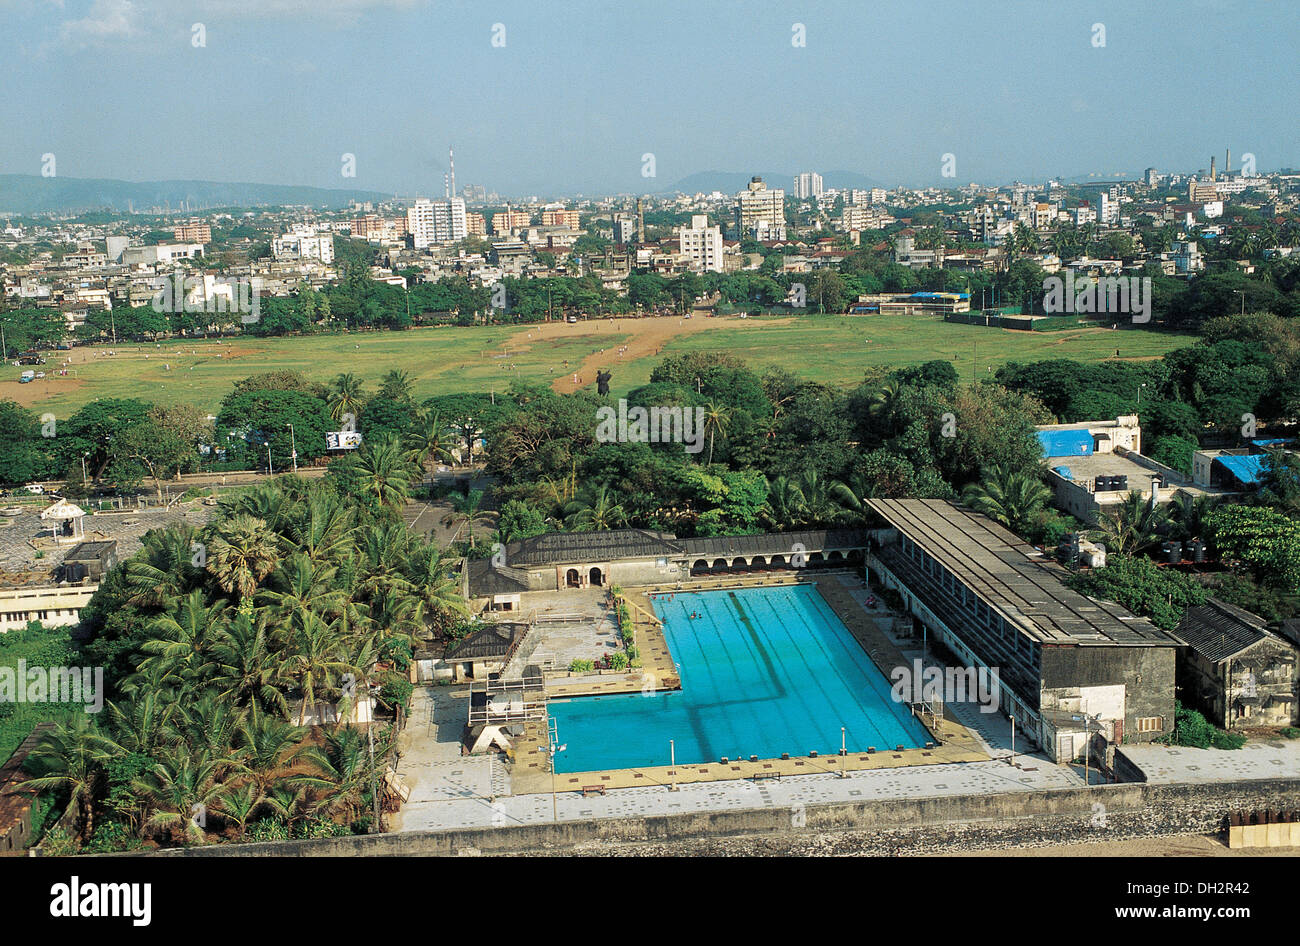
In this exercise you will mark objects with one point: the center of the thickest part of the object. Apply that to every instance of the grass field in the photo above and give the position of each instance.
(832, 350)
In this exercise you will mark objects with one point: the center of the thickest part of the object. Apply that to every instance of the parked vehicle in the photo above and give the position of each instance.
(35, 488)
(26, 377)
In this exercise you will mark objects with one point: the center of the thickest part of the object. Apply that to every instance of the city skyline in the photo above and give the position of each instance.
(573, 102)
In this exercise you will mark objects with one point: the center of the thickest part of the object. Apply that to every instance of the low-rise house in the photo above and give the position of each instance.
(1235, 670)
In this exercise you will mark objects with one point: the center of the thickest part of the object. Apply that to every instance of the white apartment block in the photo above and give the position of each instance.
(864, 218)
(304, 243)
(437, 221)
(760, 212)
(702, 244)
(808, 184)
(161, 253)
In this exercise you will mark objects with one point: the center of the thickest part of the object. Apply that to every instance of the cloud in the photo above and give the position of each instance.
(105, 21)
(111, 22)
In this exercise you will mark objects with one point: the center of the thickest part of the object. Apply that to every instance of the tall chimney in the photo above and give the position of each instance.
(1213, 175)
(1227, 165)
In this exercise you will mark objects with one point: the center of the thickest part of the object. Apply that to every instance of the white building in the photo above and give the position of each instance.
(702, 244)
(162, 253)
(808, 184)
(760, 212)
(436, 221)
(304, 243)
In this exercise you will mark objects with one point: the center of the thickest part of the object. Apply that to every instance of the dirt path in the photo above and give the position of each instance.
(645, 338)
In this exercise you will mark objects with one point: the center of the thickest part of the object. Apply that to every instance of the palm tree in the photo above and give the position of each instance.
(159, 573)
(853, 496)
(716, 420)
(1008, 496)
(595, 511)
(436, 587)
(241, 552)
(244, 670)
(468, 510)
(396, 385)
(817, 493)
(177, 645)
(1189, 512)
(1132, 526)
(237, 804)
(429, 442)
(344, 774)
(70, 756)
(786, 503)
(345, 396)
(324, 530)
(385, 473)
(317, 664)
(180, 790)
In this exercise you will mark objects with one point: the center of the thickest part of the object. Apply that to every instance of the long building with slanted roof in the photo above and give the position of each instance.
(1068, 665)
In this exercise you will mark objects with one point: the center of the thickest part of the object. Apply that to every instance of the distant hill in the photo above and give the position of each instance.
(729, 182)
(30, 193)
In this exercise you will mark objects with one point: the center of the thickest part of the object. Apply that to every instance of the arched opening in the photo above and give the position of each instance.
(837, 556)
(855, 555)
(758, 561)
(738, 563)
(701, 565)
(572, 578)
(816, 558)
(778, 561)
(595, 576)
(720, 564)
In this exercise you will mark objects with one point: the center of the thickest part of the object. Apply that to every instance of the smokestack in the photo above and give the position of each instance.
(1227, 165)
(640, 222)
(1213, 175)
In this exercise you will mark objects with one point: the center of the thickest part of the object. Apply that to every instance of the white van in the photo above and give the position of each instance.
(26, 376)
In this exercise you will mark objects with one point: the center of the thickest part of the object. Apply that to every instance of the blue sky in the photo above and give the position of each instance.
(581, 90)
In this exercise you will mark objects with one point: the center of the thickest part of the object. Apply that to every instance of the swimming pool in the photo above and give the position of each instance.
(764, 671)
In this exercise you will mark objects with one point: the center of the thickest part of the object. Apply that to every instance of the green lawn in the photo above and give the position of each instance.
(442, 361)
(831, 349)
(837, 350)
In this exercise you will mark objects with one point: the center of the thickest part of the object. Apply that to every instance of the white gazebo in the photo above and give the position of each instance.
(65, 521)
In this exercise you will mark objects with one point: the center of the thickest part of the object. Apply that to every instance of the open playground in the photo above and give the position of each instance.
(829, 349)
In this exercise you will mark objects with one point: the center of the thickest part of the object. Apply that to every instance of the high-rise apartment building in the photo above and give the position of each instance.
(808, 184)
(702, 244)
(475, 224)
(436, 221)
(760, 212)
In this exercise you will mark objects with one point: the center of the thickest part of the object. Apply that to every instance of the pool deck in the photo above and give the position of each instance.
(530, 772)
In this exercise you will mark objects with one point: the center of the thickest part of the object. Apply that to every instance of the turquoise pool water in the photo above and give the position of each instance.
(764, 671)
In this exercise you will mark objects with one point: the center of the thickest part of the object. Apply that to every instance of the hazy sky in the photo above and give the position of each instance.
(581, 90)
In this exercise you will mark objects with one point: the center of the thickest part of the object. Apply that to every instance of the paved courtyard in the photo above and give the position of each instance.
(19, 554)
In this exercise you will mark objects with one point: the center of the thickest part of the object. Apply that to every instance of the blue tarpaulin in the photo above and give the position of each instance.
(1247, 469)
(1065, 443)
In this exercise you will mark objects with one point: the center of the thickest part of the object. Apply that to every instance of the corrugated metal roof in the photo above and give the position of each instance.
(563, 548)
(775, 543)
(1015, 579)
(1217, 630)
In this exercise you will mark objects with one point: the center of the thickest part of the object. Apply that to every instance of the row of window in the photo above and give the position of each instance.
(973, 604)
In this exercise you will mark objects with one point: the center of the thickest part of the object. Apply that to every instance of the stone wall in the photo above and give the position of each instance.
(887, 826)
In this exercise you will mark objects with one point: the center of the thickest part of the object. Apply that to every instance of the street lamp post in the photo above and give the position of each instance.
(1140, 387)
(85, 480)
(294, 442)
(550, 749)
(269, 466)
(672, 762)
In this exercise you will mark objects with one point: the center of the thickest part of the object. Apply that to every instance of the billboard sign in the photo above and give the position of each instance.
(342, 439)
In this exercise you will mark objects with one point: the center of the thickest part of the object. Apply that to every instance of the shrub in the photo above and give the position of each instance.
(1195, 731)
(396, 691)
(618, 661)
(267, 829)
(582, 666)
